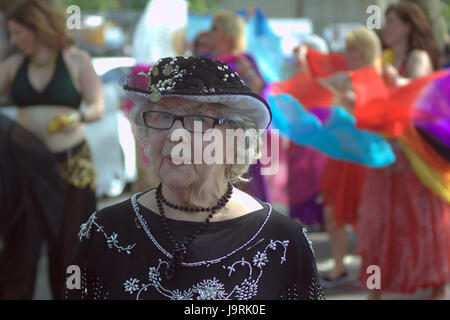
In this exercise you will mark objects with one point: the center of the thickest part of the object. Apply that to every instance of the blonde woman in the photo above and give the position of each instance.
(342, 181)
(228, 45)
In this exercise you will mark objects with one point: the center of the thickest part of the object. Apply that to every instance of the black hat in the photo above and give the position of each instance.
(199, 79)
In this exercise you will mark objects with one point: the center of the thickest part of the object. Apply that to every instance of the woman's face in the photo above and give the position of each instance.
(163, 155)
(21, 36)
(395, 30)
(203, 45)
(354, 57)
(218, 37)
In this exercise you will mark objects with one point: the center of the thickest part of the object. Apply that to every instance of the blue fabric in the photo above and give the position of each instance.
(265, 47)
(337, 136)
(262, 43)
(196, 25)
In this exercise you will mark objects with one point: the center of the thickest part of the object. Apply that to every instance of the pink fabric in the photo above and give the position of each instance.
(128, 106)
(404, 229)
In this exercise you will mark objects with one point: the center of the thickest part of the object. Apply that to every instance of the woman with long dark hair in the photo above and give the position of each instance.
(404, 226)
(414, 52)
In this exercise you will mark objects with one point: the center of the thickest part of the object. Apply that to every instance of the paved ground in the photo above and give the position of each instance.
(346, 291)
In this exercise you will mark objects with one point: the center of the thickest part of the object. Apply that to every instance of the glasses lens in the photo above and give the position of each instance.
(158, 120)
(198, 123)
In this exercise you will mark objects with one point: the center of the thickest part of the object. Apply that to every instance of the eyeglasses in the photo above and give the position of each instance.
(164, 121)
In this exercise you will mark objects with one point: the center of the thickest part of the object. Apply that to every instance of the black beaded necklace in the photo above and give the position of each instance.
(180, 249)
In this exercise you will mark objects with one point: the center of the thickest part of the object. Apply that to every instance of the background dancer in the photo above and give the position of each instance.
(404, 227)
(48, 80)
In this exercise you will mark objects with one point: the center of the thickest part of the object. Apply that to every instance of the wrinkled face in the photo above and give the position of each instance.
(164, 153)
(21, 36)
(395, 30)
(354, 57)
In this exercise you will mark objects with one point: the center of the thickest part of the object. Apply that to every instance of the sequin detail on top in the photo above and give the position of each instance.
(94, 291)
(111, 240)
(211, 289)
(198, 263)
(305, 233)
(313, 292)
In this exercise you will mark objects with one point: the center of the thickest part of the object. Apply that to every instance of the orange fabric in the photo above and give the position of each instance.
(404, 228)
(305, 89)
(394, 113)
(368, 85)
(325, 64)
(417, 143)
(341, 184)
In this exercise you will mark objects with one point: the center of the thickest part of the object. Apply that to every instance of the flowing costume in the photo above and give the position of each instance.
(405, 223)
(339, 181)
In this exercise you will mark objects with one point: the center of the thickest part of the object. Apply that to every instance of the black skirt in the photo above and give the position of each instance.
(43, 197)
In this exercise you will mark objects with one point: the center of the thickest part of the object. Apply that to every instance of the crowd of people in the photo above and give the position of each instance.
(365, 145)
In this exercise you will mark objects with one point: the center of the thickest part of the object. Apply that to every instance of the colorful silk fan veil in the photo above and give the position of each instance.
(330, 130)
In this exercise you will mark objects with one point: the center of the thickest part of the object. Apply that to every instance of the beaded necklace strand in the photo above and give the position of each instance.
(180, 249)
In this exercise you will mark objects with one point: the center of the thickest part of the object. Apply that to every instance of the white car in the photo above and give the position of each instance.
(111, 139)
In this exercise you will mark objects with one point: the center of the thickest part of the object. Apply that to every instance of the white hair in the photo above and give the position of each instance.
(239, 120)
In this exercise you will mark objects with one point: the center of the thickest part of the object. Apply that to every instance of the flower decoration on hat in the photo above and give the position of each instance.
(198, 78)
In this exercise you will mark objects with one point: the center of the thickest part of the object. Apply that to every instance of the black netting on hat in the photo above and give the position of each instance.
(186, 76)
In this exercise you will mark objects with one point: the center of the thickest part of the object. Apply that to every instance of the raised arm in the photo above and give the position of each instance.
(91, 89)
(418, 65)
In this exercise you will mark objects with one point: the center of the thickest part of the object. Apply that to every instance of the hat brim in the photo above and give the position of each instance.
(253, 105)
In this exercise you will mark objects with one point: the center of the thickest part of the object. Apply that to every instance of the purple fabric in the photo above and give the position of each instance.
(322, 113)
(257, 185)
(309, 212)
(439, 129)
(435, 102)
(434, 106)
(305, 167)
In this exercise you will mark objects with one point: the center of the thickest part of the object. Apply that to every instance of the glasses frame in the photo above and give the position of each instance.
(217, 121)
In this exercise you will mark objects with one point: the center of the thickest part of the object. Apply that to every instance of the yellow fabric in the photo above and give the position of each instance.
(388, 56)
(429, 177)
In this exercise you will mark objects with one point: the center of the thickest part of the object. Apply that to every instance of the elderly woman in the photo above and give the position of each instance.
(194, 236)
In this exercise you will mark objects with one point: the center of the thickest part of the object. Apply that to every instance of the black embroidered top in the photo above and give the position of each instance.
(123, 253)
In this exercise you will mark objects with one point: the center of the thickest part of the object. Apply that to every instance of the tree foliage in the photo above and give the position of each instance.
(105, 5)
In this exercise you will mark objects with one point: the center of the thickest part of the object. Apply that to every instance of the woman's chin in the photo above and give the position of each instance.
(177, 178)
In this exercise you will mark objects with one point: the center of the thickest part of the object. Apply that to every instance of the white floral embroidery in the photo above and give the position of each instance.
(211, 289)
(85, 231)
(154, 275)
(186, 295)
(131, 285)
(260, 260)
(85, 228)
